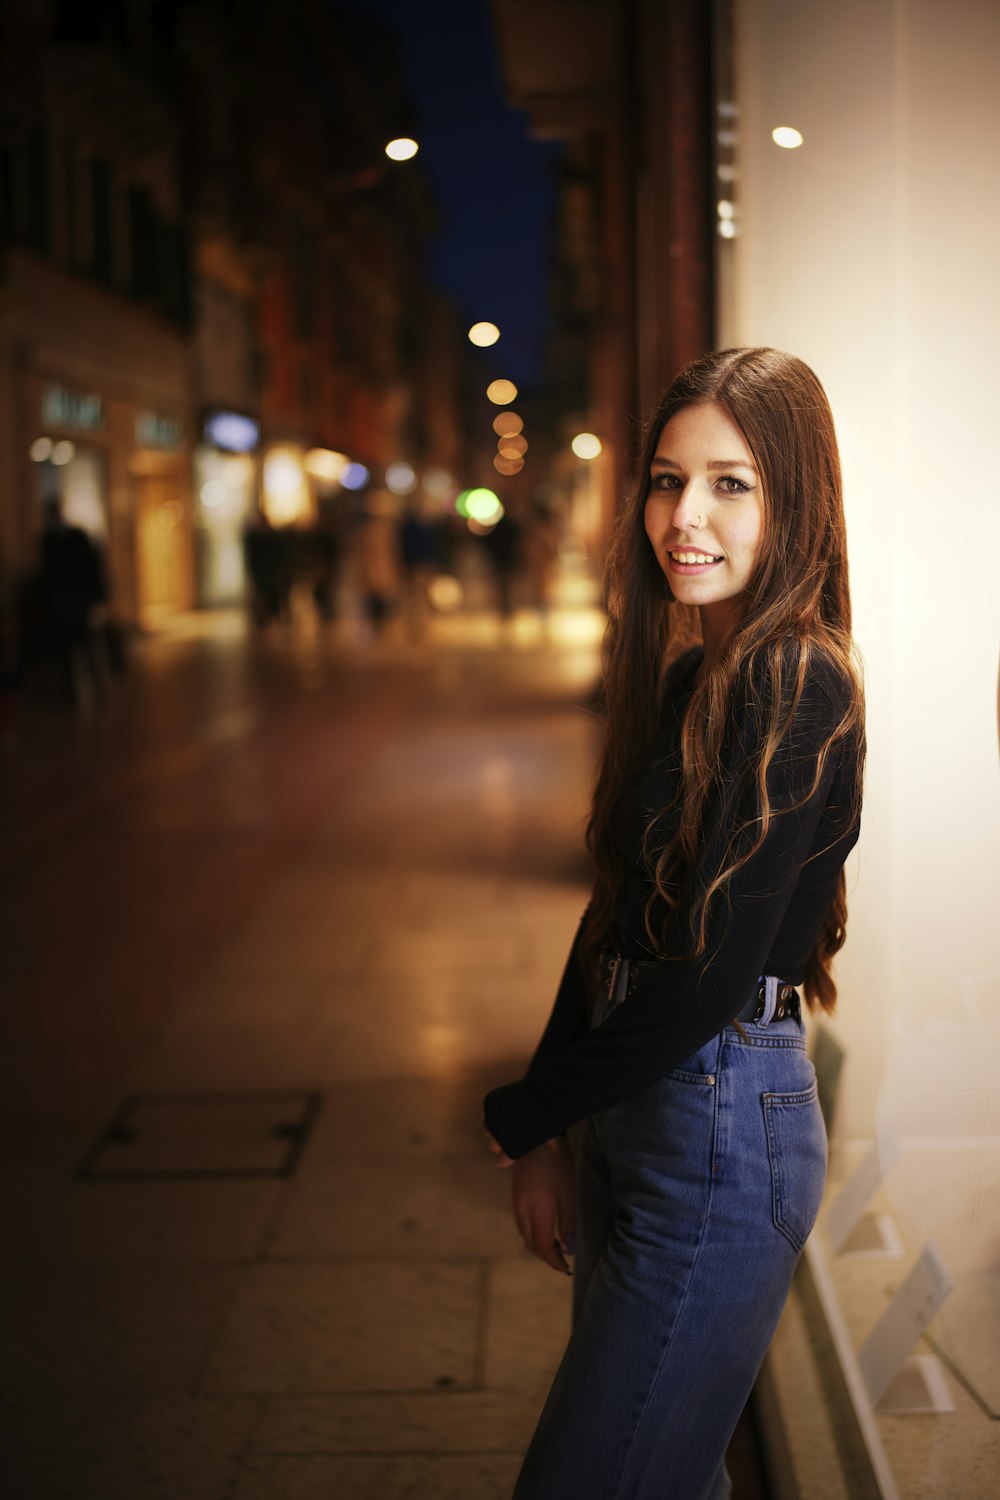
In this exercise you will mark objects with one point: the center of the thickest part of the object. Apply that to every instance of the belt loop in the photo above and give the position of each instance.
(770, 999)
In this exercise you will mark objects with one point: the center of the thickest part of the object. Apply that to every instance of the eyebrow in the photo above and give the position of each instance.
(719, 463)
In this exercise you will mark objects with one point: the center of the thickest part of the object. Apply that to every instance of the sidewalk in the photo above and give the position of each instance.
(277, 919)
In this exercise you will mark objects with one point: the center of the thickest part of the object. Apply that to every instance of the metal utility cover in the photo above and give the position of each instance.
(251, 1133)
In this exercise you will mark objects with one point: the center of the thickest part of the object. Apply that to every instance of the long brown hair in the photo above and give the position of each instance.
(797, 611)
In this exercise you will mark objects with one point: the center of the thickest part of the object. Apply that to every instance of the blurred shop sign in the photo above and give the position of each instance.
(155, 431)
(231, 431)
(82, 412)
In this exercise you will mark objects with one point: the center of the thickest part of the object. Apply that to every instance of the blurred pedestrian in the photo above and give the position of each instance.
(264, 552)
(379, 564)
(727, 798)
(504, 544)
(74, 599)
(421, 555)
(325, 552)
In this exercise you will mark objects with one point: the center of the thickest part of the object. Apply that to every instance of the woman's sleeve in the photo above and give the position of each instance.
(570, 1011)
(679, 1004)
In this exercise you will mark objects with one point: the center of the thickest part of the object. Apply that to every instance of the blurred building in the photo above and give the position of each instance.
(95, 311)
(213, 298)
(628, 84)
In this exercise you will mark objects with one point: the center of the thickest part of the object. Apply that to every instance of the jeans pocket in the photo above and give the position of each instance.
(796, 1148)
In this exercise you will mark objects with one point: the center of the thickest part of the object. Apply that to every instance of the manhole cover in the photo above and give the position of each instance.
(252, 1133)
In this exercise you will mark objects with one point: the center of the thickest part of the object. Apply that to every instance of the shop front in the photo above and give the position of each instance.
(225, 504)
(120, 471)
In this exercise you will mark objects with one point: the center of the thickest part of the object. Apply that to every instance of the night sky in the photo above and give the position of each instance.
(492, 183)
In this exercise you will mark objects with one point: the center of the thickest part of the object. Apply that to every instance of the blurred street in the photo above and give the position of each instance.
(285, 904)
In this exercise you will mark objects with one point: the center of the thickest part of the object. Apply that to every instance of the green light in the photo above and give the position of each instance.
(483, 506)
(460, 500)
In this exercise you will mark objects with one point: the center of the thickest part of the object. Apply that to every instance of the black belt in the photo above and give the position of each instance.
(786, 999)
(786, 1002)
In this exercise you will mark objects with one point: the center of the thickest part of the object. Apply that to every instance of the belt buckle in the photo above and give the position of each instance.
(784, 996)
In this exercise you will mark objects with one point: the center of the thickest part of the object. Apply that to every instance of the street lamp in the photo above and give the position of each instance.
(403, 148)
(586, 445)
(483, 334)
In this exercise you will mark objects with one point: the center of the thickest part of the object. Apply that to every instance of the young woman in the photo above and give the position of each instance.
(727, 798)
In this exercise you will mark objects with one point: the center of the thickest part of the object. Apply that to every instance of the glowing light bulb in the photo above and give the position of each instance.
(483, 334)
(401, 149)
(507, 424)
(484, 506)
(508, 466)
(401, 479)
(586, 445)
(501, 392)
(355, 477)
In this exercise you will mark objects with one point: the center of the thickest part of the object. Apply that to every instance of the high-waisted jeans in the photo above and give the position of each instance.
(696, 1196)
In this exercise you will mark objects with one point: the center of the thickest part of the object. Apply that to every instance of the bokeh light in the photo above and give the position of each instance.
(445, 593)
(403, 148)
(325, 463)
(586, 445)
(63, 452)
(501, 392)
(507, 423)
(438, 485)
(513, 447)
(40, 450)
(285, 493)
(786, 136)
(401, 479)
(484, 506)
(508, 466)
(213, 493)
(355, 477)
(483, 334)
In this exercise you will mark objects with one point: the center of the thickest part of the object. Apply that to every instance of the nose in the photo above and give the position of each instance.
(688, 513)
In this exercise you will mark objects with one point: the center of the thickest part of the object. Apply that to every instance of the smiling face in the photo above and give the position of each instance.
(703, 514)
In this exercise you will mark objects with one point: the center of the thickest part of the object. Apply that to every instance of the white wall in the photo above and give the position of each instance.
(873, 251)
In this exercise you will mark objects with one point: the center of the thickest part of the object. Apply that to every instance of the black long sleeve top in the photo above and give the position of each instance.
(776, 906)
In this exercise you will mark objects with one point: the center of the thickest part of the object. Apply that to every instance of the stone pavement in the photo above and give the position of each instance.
(271, 923)
(278, 876)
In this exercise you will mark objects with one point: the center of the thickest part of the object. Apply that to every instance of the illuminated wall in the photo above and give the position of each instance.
(871, 251)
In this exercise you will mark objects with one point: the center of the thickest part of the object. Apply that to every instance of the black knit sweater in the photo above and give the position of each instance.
(769, 925)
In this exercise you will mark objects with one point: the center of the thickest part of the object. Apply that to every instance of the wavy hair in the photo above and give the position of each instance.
(797, 615)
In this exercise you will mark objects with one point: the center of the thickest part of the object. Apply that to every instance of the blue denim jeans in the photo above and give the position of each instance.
(696, 1196)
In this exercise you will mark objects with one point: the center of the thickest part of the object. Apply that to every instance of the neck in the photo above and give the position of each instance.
(718, 621)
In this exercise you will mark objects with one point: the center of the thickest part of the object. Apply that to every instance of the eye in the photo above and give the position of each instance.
(730, 485)
(661, 480)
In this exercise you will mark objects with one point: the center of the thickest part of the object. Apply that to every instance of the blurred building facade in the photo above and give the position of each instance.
(628, 85)
(212, 293)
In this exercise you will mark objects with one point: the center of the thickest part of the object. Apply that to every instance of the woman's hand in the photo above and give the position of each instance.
(543, 1196)
(500, 1157)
